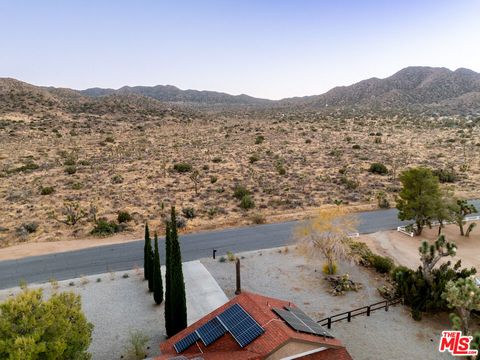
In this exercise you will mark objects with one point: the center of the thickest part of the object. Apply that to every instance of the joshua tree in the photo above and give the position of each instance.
(431, 254)
(195, 177)
(462, 209)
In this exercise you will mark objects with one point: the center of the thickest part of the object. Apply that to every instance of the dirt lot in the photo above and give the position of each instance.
(404, 249)
(290, 166)
(383, 335)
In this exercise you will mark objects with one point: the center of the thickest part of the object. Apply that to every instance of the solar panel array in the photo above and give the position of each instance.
(211, 331)
(300, 321)
(234, 320)
(241, 325)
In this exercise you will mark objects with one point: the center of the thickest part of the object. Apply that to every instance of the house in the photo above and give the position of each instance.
(251, 326)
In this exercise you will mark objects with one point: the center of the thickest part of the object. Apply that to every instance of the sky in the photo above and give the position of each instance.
(264, 48)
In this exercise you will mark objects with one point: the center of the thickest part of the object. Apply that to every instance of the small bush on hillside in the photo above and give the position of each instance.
(123, 217)
(70, 169)
(445, 175)
(104, 227)
(213, 179)
(239, 191)
(254, 158)
(378, 168)
(182, 167)
(247, 202)
(117, 179)
(217, 159)
(259, 139)
(356, 147)
(47, 190)
(189, 212)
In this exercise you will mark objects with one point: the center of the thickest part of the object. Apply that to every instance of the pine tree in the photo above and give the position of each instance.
(157, 276)
(146, 253)
(168, 272)
(177, 284)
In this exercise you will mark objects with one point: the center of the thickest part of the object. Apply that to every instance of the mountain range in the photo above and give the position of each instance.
(433, 90)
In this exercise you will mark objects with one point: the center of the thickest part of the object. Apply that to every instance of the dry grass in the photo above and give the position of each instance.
(128, 165)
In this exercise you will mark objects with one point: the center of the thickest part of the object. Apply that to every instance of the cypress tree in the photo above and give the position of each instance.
(177, 285)
(157, 276)
(168, 272)
(146, 253)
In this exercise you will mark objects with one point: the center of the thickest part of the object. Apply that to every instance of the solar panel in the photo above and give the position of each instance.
(300, 321)
(211, 331)
(186, 342)
(240, 324)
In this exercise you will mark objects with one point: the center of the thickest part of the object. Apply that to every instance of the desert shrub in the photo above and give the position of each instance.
(123, 217)
(217, 159)
(47, 190)
(231, 256)
(281, 170)
(77, 185)
(181, 222)
(205, 167)
(445, 175)
(378, 168)
(247, 202)
(182, 167)
(109, 139)
(136, 346)
(239, 191)
(356, 147)
(222, 259)
(378, 140)
(382, 200)
(350, 184)
(258, 219)
(382, 264)
(104, 227)
(308, 141)
(362, 252)
(189, 212)
(253, 158)
(117, 179)
(70, 169)
(27, 228)
(259, 139)
(28, 167)
(213, 179)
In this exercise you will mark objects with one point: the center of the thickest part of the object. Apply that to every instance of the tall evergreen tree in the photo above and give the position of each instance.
(178, 306)
(168, 272)
(157, 275)
(147, 248)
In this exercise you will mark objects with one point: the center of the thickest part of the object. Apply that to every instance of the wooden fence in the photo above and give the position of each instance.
(348, 315)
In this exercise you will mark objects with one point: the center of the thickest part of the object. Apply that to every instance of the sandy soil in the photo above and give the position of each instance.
(383, 335)
(404, 249)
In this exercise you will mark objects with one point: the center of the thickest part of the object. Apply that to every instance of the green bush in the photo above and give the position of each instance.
(362, 252)
(217, 159)
(182, 167)
(117, 179)
(378, 168)
(239, 191)
(70, 169)
(47, 190)
(382, 264)
(254, 158)
(259, 139)
(356, 147)
(445, 175)
(213, 179)
(104, 227)
(247, 202)
(123, 217)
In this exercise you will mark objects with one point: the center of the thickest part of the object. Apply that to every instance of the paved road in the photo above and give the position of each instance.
(194, 246)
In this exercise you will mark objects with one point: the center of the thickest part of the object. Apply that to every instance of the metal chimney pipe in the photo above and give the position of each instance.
(237, 268)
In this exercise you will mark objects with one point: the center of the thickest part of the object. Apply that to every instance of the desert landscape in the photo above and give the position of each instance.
(63, 153)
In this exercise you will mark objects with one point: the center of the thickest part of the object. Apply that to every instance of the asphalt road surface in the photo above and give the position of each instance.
(126, 256)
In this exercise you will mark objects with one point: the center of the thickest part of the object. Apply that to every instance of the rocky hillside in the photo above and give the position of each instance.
(413, 91)
(412, 88)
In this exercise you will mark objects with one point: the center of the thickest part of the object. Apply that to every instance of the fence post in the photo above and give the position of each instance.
(349, 316)
(368, 310)
(329, 323)
(386, 306)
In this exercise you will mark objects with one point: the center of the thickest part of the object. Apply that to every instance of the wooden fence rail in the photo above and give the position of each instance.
(348, 315)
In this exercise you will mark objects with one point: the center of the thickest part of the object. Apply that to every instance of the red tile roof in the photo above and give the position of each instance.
(276, 334)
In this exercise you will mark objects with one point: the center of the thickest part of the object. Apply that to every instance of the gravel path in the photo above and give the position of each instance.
(286, 275)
